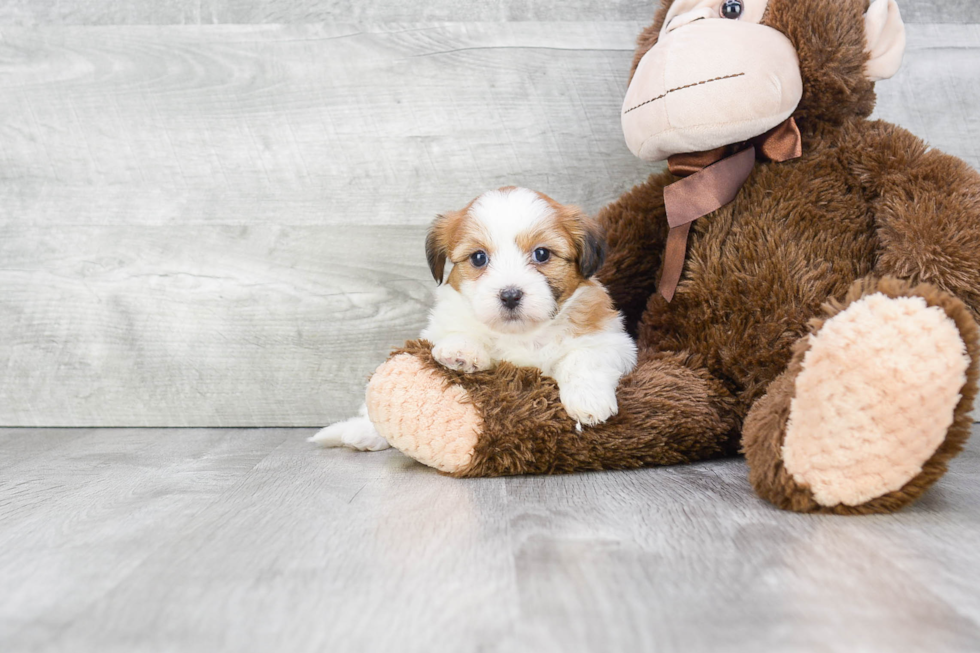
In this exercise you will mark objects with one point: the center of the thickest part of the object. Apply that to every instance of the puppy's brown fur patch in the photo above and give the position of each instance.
(443, 241)
(438, 241)
(469, 237)
(593, 309)
(561, 269)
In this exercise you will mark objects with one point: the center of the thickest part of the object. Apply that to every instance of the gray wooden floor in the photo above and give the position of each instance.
(249, 540)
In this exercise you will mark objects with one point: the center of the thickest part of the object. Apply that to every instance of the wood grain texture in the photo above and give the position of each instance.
(170, 12)
(251, 540)
(935, 94)
(307, 124)
(940, 11)
(31, 13)
(221, 226)
(233, 11)
(189, 325)
(305, 11)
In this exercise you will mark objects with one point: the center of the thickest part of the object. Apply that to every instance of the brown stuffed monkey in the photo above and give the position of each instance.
(803, 283)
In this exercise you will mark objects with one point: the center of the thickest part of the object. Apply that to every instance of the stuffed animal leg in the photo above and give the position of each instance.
(873, 405)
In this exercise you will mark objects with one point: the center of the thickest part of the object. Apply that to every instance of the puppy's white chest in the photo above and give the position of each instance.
(539, 350)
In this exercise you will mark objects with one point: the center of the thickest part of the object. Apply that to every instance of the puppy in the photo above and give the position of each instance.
(521, 290)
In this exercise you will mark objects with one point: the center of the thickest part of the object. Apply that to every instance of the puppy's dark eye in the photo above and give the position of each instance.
(731, 9)
(478, 258)
(541, 254)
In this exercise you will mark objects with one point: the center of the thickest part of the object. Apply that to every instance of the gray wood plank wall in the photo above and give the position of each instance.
(221, 225)
(193, 12)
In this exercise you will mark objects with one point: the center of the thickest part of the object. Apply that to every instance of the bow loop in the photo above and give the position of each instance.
(781, 143)
(710, 180)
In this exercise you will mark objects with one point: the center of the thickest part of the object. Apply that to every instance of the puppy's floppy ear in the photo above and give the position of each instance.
(436, 249)
(590, 245)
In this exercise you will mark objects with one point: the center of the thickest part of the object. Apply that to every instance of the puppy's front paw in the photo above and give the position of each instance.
(462, 355)
(589, 404)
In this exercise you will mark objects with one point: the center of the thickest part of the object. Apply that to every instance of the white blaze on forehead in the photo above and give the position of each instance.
(506, 213)
(502, 216)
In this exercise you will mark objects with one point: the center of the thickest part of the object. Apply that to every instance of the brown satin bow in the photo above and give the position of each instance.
(711, 180)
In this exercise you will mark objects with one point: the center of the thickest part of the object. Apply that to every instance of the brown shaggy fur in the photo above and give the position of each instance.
(866, 201)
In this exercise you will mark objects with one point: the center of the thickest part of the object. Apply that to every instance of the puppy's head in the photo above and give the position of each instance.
(517, 256)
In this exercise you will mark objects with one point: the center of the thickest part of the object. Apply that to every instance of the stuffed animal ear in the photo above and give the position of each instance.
(885, 35)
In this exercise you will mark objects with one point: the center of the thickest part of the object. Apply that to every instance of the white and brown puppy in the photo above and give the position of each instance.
(520, 290)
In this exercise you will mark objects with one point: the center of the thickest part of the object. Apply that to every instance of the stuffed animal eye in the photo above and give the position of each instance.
(541, 255)
(731, 9)
(478, 258)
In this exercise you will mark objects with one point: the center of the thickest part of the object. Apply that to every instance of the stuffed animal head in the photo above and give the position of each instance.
(709, 73)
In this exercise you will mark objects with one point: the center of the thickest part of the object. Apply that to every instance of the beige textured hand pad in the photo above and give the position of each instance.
(412, 408)
(875, 398)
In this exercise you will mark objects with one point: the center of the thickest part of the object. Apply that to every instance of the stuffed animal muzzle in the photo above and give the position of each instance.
(717, 75)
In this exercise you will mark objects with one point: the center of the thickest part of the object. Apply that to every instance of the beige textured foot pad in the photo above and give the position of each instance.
(413, 409)
(876, 396)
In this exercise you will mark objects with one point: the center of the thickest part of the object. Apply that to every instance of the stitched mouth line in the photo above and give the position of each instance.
(681, 88)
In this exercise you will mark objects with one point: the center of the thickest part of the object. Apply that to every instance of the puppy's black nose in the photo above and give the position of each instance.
(511, 297)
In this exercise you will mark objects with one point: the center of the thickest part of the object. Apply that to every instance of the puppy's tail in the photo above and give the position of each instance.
(357, 433)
